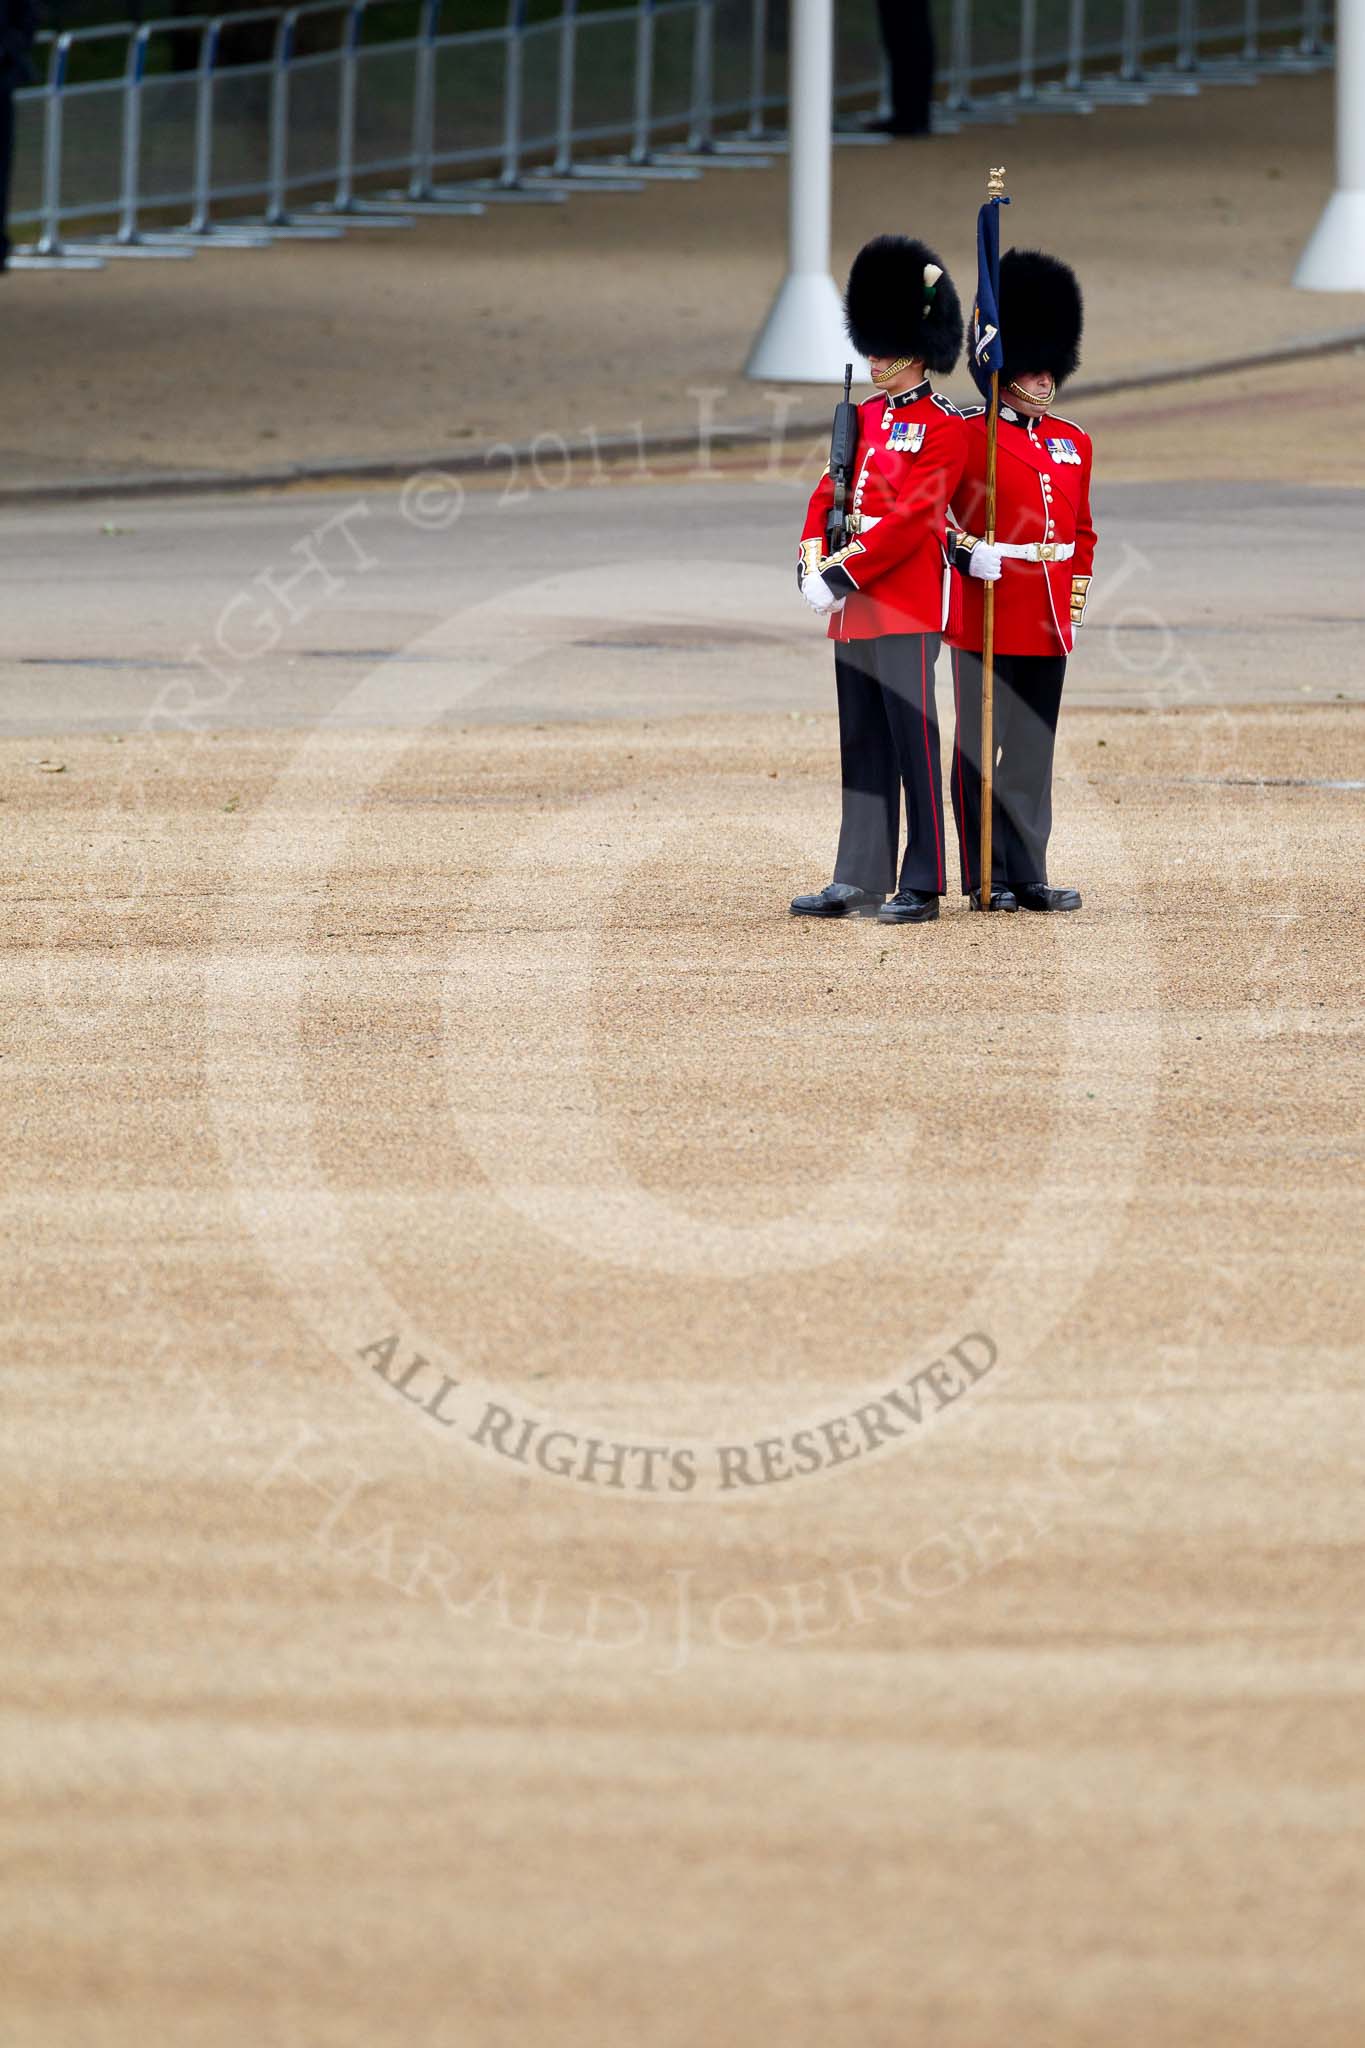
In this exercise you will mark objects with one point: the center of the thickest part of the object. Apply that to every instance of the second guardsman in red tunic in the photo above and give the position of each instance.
(886, 590)
(1040, 566)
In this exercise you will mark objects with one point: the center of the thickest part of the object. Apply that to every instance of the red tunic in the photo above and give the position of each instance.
(1042, 494)
(911, 453)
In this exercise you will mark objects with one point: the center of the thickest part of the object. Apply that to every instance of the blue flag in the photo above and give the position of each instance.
(987, 353)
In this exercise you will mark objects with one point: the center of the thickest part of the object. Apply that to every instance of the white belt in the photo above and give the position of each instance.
(1036, 550)
(1012, 550)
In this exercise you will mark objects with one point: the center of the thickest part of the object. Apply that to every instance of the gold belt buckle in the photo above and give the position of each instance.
(1047, 550)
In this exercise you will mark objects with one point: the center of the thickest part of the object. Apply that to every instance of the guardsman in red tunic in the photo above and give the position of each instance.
(886, 590)
(1040, 565)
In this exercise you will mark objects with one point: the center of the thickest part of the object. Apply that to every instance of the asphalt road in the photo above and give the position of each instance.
(524, 602)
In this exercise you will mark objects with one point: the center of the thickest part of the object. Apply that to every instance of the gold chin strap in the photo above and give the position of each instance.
(1031, 397)
(893, 369)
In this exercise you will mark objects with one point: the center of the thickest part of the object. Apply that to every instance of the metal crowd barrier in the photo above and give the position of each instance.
(298, 144)
(1123, 52)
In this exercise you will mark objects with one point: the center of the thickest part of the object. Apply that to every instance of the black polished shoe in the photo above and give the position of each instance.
(836, 901)
(1038, 896)
(909, 906)
(1001, 898)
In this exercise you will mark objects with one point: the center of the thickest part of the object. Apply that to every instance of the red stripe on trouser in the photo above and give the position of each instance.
(957, 770)
(929, 760)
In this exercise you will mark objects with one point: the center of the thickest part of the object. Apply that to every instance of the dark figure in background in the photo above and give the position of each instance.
(908, 39)
(18, 26)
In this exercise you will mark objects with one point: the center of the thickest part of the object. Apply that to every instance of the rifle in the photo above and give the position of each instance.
(843, 460)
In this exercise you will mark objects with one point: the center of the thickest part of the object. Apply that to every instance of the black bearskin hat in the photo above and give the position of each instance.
(890, 309)
(1040, 315)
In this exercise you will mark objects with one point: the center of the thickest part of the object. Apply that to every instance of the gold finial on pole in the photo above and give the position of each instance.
(995, 184)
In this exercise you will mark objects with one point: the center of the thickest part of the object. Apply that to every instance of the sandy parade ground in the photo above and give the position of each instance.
(587, 1462)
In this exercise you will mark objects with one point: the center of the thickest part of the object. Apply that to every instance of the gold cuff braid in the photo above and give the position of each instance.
(855, 547)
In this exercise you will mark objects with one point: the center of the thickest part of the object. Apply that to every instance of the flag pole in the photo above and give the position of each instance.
(995, 188)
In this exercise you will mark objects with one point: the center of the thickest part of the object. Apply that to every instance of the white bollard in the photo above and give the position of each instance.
(803, 339)
(1334, 260)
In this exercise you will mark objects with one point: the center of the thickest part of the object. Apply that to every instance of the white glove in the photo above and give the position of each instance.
(817, 593)
(987, 562)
